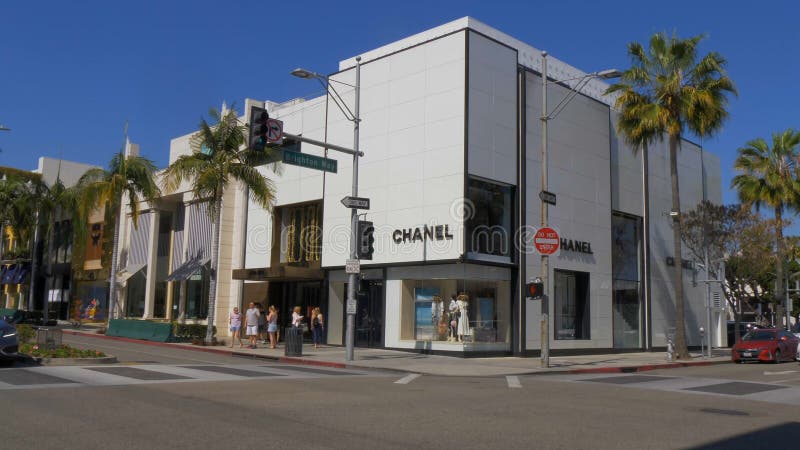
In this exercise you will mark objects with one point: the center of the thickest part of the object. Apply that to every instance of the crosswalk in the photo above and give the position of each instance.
(122, 375)
(772, 392)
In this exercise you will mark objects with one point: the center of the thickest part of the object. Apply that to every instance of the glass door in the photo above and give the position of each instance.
(369, 315)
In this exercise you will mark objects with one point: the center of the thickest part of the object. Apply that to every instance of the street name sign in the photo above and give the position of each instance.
(352, 266)
(309, 161)
(356, 202)
(548, 197)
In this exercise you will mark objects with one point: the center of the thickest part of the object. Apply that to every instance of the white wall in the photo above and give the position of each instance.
(492, 129)
(412, 136)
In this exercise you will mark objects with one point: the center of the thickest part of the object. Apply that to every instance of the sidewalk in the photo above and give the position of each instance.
(407, 362)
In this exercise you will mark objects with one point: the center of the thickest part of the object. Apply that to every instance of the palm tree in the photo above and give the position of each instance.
(130, 177)
(769, 176)
(667, 91)
(218, 157)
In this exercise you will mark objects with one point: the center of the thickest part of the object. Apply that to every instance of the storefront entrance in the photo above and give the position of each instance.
(285, 295)
(369, 315)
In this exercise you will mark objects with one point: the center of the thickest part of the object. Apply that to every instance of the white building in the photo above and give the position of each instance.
(451, 132)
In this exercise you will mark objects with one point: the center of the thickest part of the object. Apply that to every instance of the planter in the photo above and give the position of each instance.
(75, 361)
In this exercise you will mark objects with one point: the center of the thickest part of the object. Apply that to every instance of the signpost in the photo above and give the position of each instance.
(309, 161)
(352, 266)
(274, 131)
(351, 306)
(356, 202)
(547, 241)
(548, 197)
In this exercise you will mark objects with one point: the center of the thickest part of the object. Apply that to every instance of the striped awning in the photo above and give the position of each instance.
(129, 271)
(188, 269)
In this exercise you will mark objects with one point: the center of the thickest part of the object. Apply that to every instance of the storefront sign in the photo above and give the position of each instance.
(569, 245)
(426, 233)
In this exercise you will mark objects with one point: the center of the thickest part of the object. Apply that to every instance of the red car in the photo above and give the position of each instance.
(765, 344)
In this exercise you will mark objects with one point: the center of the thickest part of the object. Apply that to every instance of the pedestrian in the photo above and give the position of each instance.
(317, 327)
(251, 316)
(297, 319)
(262, 324)
(235, 322)
(272, 326)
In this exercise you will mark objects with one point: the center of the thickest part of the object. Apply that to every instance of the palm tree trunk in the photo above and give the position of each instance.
(680, 326)
(212, 285)
(779, 263)
(112, 276)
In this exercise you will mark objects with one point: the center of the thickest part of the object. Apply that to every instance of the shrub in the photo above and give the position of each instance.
(25, 333)
(64, 351)
(185, 331)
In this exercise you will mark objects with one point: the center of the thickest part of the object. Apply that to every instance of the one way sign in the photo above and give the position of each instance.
(356, 202)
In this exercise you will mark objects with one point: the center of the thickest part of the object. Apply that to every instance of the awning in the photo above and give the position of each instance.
(8, 274)
(187, 269)
(279, 273)
(129, 271)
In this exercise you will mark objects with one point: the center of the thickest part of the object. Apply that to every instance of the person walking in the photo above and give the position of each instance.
(251, 316)
(317, 326)
(235, 322)
(272, 326)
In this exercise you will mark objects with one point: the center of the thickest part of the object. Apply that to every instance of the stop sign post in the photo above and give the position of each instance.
(547, 241)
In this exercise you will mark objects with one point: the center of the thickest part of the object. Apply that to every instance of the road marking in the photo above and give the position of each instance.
(513, 382)
(783, 372)
(785, 380)
(408, 378)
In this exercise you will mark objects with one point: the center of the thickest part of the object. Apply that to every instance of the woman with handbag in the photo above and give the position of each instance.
(317, 327)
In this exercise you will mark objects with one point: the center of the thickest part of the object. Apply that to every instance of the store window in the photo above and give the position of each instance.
(197, 294)
(489, 218)
(301, 234)
(162, 264)
(134, 298)
(571, 304)
(626, 280)
(457, 311)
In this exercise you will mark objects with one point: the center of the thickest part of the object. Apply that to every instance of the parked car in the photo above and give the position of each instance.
(29, 318)
(744, 328)
(766, 344)
(9, 343)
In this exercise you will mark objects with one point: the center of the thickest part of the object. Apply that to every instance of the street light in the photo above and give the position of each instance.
(582, 82)
(354, 117)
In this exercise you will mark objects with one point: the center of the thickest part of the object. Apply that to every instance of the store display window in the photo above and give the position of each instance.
(456, 311)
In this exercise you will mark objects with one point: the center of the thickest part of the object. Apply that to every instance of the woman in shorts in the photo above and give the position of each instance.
(235, 322)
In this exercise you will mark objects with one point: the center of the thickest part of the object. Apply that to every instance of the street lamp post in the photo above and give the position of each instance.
(583, 80)
(353, 116)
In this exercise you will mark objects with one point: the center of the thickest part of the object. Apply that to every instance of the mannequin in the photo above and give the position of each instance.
(463, 317)
(452, 309)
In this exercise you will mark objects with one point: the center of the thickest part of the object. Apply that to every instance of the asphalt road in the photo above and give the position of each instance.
(359, 409)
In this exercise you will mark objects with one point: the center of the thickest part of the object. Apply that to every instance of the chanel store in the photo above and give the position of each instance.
(452, 162)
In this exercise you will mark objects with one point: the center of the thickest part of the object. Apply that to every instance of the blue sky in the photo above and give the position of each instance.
(72, 73)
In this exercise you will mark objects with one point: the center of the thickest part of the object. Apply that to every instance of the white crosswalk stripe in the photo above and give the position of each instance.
(408, 378)
(120, 374)
(513, 382)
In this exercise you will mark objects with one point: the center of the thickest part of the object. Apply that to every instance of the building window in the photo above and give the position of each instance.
(571, 305)
(162, 264)
(301, 234)
(134, 299)
(456, 311)
(197, 294)
(488, 217)
(626, 277)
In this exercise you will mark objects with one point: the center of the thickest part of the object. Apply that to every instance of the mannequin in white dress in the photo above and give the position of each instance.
(463, 317)
(452, 309)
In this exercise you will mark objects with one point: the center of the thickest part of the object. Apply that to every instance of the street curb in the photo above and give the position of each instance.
(219, 351)
(640, 368)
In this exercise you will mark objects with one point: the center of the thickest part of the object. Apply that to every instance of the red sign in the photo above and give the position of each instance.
(547, 241)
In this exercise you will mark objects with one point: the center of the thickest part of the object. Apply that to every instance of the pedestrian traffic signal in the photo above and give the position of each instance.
(536, 289)
(366, 240)
(258, 128)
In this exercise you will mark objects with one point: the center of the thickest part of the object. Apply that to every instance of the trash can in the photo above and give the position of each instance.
(49, 338)
(294, 341)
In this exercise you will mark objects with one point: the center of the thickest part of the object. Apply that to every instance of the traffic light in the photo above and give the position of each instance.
(366, 240)
(258, 128)
(536, 289)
